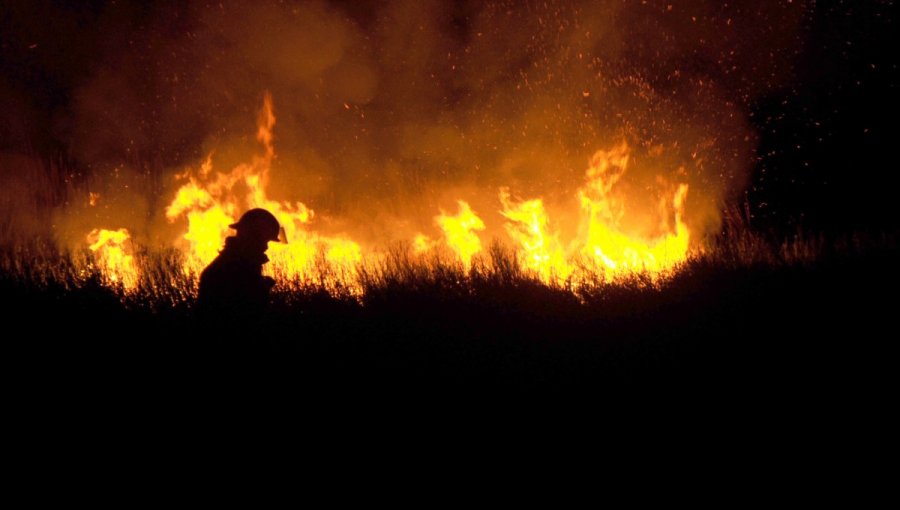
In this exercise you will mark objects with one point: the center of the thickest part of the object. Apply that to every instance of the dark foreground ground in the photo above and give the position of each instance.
(791, 335)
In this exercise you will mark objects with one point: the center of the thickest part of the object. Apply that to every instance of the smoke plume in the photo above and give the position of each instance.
(389, 111)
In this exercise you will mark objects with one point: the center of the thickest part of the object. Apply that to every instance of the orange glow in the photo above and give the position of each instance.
(538, 246)
(208, 201)
(212, 201)
(602, 245)
(113, 254)
(611, 249)
(459, 232)
(422, 244)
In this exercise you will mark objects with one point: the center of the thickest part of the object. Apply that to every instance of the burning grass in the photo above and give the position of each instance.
(594, 308)
(598, 243)
(141, 277)
(744, 316)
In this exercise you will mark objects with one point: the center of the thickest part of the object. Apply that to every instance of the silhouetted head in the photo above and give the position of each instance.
(257, 224)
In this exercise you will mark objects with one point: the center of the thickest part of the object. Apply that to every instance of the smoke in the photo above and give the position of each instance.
(388, 111)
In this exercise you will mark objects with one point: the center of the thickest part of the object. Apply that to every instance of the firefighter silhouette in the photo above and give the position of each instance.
(232, 286)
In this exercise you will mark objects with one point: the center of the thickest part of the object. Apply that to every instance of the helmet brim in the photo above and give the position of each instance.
(276, 239)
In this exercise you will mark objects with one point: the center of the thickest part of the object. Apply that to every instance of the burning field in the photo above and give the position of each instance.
(208, 201)
(565, 192)
(439, 127)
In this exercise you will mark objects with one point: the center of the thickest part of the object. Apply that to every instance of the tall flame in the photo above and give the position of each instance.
(459, 232)
(211, 201)
(114, 256)
(602, 245)
(540, 249)
(612, 250)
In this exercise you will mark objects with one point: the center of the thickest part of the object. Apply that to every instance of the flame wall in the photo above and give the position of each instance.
(390, 112)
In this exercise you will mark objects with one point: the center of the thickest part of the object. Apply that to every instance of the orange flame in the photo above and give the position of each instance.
(540, 250)
(211, 200)
(114, 256)
(603, 245)
(459, 232)
(609, 248)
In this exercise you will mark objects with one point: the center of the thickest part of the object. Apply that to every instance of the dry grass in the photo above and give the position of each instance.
(752, 318)
(163, 282)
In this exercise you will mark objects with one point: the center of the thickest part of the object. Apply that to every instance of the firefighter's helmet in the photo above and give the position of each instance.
(258, 222)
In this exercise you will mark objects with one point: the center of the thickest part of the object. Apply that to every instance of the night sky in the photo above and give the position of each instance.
(827, 157)
(816, 80)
